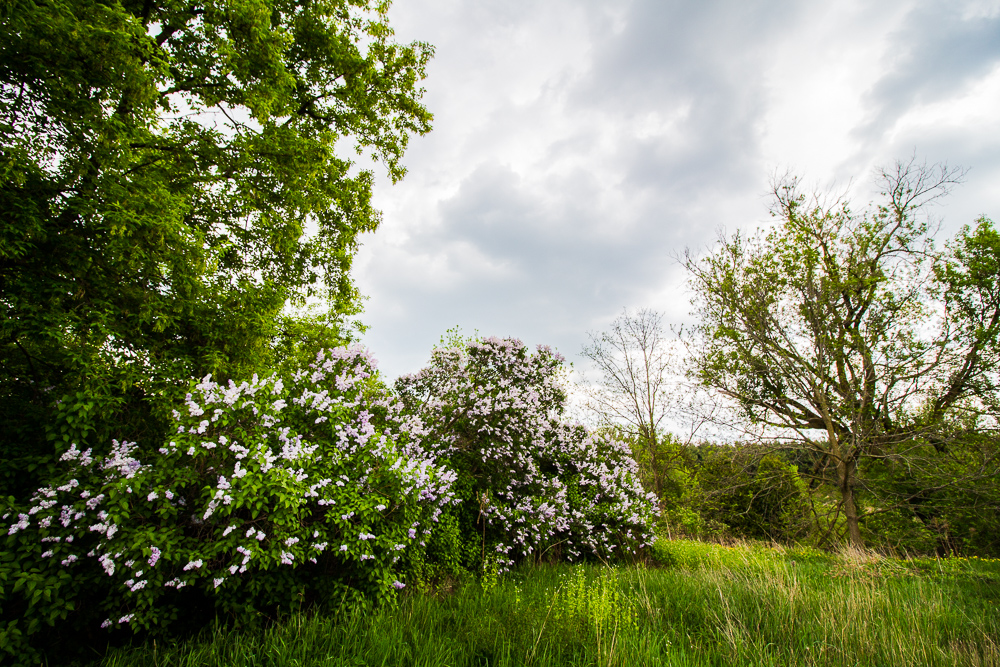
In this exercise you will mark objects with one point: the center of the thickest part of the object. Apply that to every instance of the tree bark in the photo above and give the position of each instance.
(847, 479)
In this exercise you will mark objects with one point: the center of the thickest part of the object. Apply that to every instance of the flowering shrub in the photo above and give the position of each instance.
(269, 490)
(531, 485)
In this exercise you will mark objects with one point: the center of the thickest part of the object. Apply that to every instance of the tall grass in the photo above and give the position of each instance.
(710, 605)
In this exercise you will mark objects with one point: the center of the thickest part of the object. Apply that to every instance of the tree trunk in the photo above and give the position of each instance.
(846, 474)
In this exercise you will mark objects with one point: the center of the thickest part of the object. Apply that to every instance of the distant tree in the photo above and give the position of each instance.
(171, 179)
(635, 361)
(847, 334)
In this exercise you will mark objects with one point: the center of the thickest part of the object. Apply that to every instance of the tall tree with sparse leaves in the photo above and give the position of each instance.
(173, 175)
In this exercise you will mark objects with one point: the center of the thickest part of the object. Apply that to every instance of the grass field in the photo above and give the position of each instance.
(707, 605)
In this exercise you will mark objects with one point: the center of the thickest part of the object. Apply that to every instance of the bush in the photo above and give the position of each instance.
(753, 496)
(271, 493)
(531, 485)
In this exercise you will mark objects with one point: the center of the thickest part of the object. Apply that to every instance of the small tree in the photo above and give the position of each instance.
(846, 333)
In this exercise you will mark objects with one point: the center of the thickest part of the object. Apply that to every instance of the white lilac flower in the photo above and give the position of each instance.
(69, 486)
(22, 523)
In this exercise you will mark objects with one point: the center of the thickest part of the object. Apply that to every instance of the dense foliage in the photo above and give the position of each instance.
(725, 491)
(172, 176)
(270, 493)
(318, 486)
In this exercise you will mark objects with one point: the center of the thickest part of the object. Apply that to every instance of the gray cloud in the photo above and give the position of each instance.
(938, 52)
(579, 146)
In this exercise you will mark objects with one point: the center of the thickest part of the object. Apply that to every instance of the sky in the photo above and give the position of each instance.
(580, 147)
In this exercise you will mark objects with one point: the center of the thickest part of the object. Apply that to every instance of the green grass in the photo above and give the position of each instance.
(710, 605)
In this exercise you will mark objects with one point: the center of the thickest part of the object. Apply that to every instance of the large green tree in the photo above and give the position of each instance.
(174, 176)
(846, 333)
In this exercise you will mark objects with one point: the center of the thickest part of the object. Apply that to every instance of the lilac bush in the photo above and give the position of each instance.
(267, 489)
(532, 485)
(319, 485)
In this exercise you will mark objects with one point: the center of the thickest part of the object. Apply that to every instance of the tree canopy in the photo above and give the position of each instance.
(172, 177)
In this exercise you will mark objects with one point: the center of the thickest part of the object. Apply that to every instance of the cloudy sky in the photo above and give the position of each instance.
(579, 146)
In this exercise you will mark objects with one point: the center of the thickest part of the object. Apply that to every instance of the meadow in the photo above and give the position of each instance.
(699, 605)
